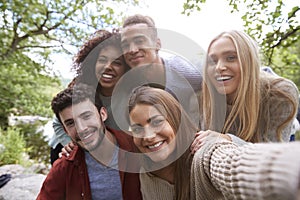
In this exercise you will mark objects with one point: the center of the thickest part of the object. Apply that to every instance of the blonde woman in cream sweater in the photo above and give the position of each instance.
(239, 98)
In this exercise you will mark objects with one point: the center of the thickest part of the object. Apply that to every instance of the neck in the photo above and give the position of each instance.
(159, 60)
(230, 98)
(166, 173)
(104, 153)
(107, 92)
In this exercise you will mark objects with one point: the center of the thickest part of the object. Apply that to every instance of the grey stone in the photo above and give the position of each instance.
(24, 184)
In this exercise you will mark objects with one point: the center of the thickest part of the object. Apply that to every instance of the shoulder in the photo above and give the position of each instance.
(179, 69)
(277, 84)
(76, 154)
(180, 63)
(124, 140)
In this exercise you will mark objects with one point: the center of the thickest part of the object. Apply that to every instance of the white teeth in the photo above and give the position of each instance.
(87, 136)
(223, 78)
(106, 76)
(155, 145)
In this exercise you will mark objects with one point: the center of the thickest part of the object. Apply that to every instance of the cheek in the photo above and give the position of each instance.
(169, 132)
(72, 132)
(98, 68)
(210, 72)
(237, 69)
(120, 71)
(137, 142)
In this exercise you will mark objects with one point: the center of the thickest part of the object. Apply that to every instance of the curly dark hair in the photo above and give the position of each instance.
(74, 95)
(86, 59)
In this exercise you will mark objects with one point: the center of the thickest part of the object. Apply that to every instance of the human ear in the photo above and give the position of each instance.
(158, 44)
(103, 113)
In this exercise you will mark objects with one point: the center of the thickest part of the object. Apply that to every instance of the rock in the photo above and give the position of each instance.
(25, 184)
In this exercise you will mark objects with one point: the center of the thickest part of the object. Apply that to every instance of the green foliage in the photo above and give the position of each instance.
(14, 146)
(37, 147)
(287, 61)
(31, 33)
(274, 25)
(297, 136)
(24, 90)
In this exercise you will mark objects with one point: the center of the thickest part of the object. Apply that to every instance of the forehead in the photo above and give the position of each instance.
(221, 45)
(135, 30)
(76, 110)
(111, 51)
(142, 112)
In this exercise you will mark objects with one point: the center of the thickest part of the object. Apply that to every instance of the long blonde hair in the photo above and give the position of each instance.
(248, 106)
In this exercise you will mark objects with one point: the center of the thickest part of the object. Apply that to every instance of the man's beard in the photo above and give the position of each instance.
(93, 147)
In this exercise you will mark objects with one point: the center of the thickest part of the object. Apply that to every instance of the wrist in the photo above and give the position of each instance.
(227, 137)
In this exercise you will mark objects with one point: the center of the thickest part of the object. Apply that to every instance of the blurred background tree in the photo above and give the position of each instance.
(275, 25)
(31, 32)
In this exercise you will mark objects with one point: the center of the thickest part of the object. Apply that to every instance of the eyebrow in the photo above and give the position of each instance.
(230, 51)
(86, 112)
(148, 120)
(135, 37)
(223, 53)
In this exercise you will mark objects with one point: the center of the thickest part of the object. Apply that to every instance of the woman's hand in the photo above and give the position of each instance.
(202, 136)
(67, 149)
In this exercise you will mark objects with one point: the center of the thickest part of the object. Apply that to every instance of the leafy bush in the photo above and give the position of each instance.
(22, 144)
(36, 145)
(297, 135)
(13, 147)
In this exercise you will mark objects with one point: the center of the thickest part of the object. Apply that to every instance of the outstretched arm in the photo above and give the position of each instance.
(251, 171)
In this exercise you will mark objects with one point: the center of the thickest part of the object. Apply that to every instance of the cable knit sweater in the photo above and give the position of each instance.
(223, 170)
(153, 187)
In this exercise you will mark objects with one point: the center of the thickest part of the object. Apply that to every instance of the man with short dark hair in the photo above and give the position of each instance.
(141, 45)
(91, 170)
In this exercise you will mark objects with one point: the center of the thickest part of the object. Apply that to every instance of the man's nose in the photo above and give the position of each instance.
(133, 48)
(81, 126)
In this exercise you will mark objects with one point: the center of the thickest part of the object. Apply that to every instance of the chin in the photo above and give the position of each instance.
(159, 156)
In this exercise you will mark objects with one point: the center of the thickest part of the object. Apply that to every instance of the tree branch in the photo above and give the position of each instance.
(285, 36)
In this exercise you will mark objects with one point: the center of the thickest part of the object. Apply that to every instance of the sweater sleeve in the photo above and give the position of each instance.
(59, 136)
(54, 185)
(252, 171)
(280, 110)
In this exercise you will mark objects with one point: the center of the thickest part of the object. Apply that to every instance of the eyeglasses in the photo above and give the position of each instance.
(155, 125)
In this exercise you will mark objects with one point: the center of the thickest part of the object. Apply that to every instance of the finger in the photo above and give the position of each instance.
(198, 139)
(65, 152)
(197, 147)
(197, 144)
(198, 133)
(71, 145)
